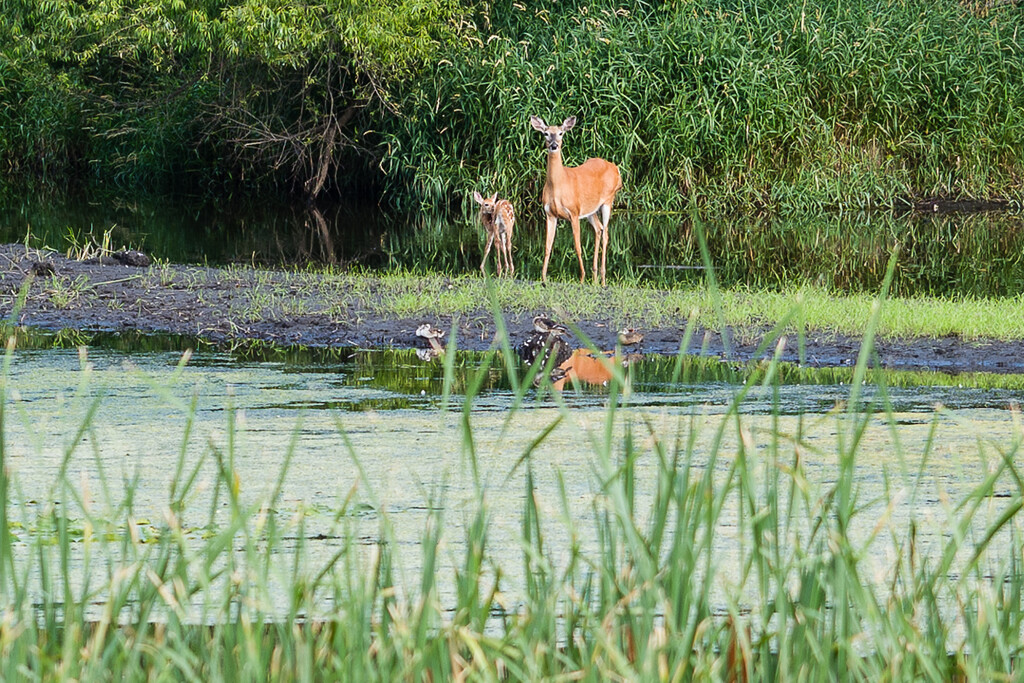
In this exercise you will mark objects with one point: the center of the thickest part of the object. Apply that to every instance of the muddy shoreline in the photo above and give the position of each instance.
(107, 294)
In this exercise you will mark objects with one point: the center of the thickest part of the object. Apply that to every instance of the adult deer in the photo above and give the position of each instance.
(572, 193)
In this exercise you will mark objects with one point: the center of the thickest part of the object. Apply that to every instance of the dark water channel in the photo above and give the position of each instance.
(942, 253)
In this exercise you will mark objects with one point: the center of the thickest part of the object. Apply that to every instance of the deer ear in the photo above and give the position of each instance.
(479, 199)
(538, 124)
(568, 123)
(494, 198)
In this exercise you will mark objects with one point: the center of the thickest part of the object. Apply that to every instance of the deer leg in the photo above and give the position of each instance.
(506, 240)
(487, 250)
(511, 264)
(501, 250)
(606, 215)
(549, 242)
(497, 254)
(598, 230)
(575, 220)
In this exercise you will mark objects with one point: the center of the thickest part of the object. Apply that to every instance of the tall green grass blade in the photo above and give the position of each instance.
(712, 285)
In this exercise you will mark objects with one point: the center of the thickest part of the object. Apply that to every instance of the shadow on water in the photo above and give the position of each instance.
(392, 379)
(966, 254)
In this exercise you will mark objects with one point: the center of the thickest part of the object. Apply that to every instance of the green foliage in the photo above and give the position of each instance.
(730, 104)
(242, 89)
(717, 103)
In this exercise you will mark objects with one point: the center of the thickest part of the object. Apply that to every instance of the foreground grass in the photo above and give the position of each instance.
(222, 587)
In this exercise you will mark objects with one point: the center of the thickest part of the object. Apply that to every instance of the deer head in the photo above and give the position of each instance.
(552, 134)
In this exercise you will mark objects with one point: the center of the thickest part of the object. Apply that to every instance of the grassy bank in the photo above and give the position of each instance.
(188, 300)
(224, 585)
(723, 105)
(399, 295)
(963, 254)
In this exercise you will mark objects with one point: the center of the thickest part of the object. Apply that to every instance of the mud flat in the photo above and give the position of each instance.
(223, 305)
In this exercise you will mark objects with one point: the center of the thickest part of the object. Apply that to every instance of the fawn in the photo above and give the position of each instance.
(498, 218)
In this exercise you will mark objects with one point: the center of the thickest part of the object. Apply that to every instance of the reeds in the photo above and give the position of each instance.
(707, 550)
(728, 106)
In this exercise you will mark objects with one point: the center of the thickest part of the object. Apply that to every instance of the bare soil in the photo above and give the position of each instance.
(123, 294)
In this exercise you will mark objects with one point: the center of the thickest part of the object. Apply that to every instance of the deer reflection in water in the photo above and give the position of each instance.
(547, 345)
(586, 367)
(433, 335)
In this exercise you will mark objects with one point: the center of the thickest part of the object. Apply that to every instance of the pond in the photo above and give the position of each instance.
(967, 254)
(369, 436)
(376, 447)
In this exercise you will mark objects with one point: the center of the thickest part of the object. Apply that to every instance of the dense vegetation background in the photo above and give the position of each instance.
(725, 104)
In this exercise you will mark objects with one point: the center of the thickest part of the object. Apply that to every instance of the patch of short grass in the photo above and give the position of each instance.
(249, 294)
(402, 295)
